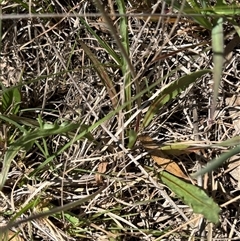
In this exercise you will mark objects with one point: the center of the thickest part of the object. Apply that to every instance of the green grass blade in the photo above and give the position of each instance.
(11, 99)
(103, 43)
(192, 7)
(29, 206)
(24, 142)
(230, 142)
(218, 60)
(212, 165)
(13, 122)
(1, 38)
(125, 44)
(115, 35)
(196, 9)
(236, 26)
(193, 196)
(221, 9)
(132, 135)
(170, 92)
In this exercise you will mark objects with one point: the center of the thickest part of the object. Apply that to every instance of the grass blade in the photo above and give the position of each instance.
(11, 99)
(218, 60)
(115, 35)
(215, 163)
(103, 43)
(196, 8)
(192, 7)
(125, 44)
(170, 92)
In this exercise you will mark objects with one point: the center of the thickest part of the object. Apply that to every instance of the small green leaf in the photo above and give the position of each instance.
(102, 42)
(132, 135)
(193, 196)
(11, 100)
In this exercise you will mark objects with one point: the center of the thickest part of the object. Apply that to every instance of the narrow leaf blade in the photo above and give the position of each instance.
(218, 60)
(215, 163)
(11, 100)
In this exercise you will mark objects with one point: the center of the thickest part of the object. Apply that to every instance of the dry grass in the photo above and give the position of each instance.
(58, 81)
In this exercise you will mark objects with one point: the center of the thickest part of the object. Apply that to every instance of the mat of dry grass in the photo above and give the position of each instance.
(60, 84)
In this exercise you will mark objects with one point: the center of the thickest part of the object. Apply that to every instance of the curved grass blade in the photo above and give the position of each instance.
(170, 92)
(230, 142)
(126, 70)
(193, 196)
(223, 9)
(103, 43)
(236, 26)
(215, 163)
(132, 135)
(196, 8)
(125, 43)
(17, 121)
(13, 122)
(115, 35)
